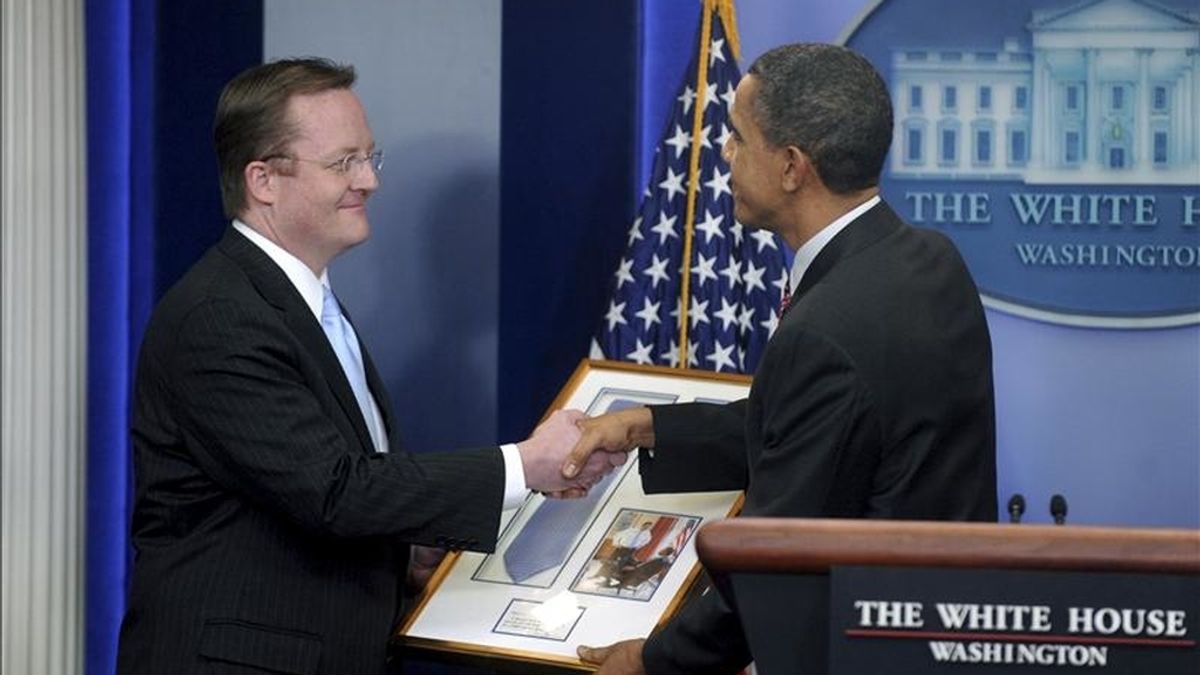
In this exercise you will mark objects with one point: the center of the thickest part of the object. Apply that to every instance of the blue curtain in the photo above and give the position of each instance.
(154, 71)
(120, 54)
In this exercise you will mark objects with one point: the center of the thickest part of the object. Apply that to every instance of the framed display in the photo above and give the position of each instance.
(590, 571)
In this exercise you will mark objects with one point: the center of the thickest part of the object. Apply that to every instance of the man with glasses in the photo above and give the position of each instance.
(274, 509)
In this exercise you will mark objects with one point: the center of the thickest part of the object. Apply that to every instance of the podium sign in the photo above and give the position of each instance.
(962, 621)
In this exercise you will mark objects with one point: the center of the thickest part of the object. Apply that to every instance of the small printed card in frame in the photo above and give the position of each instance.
(593, 571)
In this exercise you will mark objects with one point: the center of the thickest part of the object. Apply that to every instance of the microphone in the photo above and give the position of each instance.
(1058, 509)
(1016, 508)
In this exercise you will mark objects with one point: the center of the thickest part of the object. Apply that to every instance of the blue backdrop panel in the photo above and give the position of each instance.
(567, 185)
(203, 46)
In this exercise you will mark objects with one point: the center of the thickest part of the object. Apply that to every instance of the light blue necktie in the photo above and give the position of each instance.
(345, 345)
(546, 538)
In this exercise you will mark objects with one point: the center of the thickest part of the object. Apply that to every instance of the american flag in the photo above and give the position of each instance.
(736, 275)
(681, 539)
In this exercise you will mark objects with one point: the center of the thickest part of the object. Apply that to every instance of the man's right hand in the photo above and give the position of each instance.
(614, 433)
(544, 452)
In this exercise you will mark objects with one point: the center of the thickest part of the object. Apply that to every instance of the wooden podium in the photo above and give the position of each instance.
(780, 568)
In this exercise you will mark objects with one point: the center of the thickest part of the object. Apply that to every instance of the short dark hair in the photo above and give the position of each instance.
(251, 121)
(832, 104)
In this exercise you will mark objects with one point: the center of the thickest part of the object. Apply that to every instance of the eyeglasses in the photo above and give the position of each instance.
(345, 166)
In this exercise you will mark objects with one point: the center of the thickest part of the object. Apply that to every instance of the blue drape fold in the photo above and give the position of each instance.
(120, 67)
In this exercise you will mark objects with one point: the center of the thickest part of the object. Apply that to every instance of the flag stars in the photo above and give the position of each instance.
(764, 239)
(704, 269)
(710, 94)
(711, 227)
(782, 282)
(714, 53)
(657, 271)
(664, 228)
(753, 276)
(680, 141)
(624, 272)
(698, 312)
(746, 319)
(615, 315)
(722, 357)
(723, 138)
(771, 323)
(671, 356)
(719, 184)
(673, 183)
(641, 354)
(686, 98)
(635, 231)
(727, 314)
(736, 231)
(730, 94)
(649, 313)
(732, 273)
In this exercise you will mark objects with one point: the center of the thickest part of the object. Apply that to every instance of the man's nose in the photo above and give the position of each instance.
(365, 178)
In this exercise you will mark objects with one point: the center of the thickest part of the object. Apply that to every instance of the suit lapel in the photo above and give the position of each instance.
(277, 289)
(877, 223)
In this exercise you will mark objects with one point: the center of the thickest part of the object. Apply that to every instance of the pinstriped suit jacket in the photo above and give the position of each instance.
(269, 536)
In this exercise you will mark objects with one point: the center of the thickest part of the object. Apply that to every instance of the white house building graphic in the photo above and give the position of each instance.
(1102, 92)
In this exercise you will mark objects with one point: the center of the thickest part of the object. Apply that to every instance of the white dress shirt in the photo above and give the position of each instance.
(810, 249)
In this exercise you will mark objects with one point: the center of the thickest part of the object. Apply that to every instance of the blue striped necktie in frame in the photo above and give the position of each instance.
(546, 539)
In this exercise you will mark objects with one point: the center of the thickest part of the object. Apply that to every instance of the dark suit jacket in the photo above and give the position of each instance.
(872, 400)
(270, 537)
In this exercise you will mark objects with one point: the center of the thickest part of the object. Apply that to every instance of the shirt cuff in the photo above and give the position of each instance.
(514, 476)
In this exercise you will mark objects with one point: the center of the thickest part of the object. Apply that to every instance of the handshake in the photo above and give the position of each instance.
(570, 452)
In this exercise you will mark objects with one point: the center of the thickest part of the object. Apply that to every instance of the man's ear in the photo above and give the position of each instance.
(797, 169)
(261, 183)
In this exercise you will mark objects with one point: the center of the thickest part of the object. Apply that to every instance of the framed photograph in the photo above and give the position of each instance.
(591, 571)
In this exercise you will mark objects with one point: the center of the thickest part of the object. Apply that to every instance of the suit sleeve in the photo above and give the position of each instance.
(250, 417)
(699, 447)
(705, 638)
(808, 429)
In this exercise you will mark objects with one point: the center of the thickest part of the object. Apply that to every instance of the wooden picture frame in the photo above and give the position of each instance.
(476, 610)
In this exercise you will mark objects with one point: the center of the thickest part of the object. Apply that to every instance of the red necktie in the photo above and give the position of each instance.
(786, 300)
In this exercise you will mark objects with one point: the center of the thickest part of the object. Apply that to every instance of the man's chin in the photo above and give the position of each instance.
(357, 229)
(744, 218)
(747, 222)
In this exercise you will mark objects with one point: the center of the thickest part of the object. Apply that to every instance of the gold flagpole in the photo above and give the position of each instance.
(693, 176)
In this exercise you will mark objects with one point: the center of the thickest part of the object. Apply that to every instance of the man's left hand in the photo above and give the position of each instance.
(423, 562)
(621, 658)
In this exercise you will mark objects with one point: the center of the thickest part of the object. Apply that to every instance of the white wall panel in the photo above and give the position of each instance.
(43, 368)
